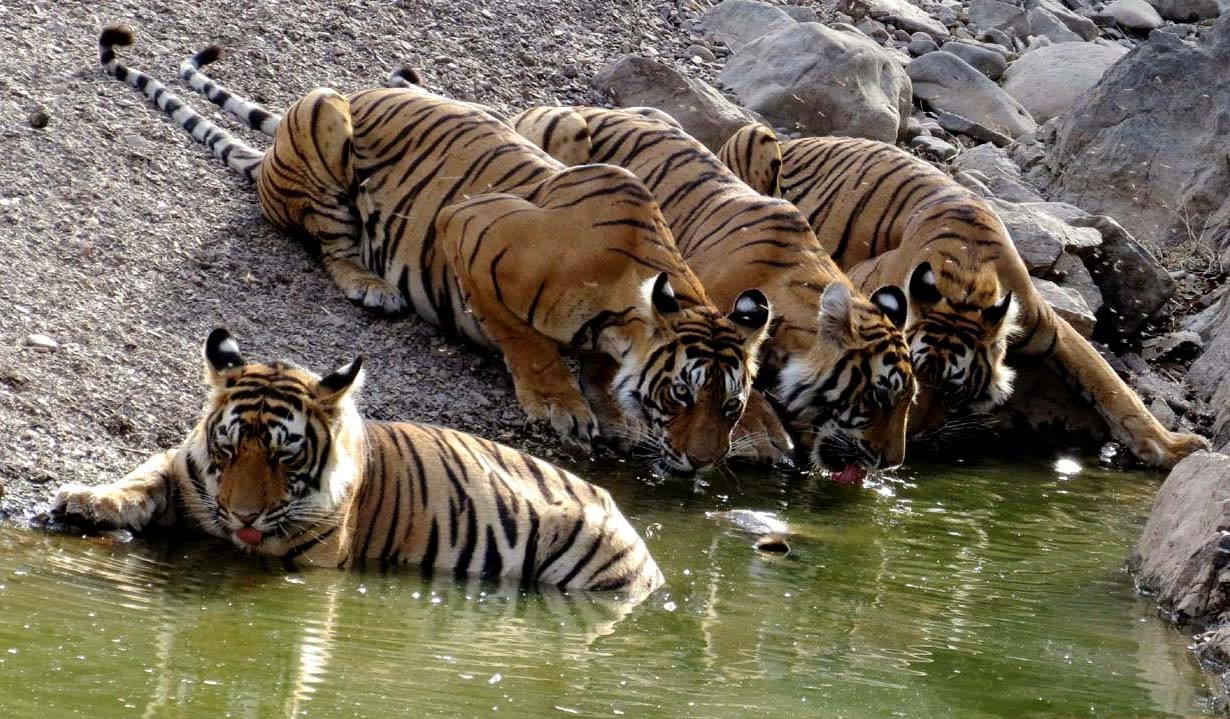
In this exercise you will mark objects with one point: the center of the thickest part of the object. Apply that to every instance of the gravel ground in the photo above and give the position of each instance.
(125, 242)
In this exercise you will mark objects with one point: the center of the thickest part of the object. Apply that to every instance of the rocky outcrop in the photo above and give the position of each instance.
(1186, 10)
(1143, 146)
(633, 81)
(820, 81)
(1183, 557)
(946, 82)
(1134, 284)
(738, 22)
(1208, 375)
(1052, 79)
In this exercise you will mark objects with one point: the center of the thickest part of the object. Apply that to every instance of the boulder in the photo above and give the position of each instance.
(1049, 80)
(921, 44)
(1043, 22)
(1186, 10)
(1134, 284)
(1068, 304)
(1207, 375)
(1139, 146)
(979, 56)
(1079, 24)
(821, 81)
(933, 148)
(1134, 15)
(902, 14)
(1003, 175)
(1182, 555)
(1040, 237)
(994, 15)
(633, 81)
(738, 22)
(1069, 271)
(946, 82)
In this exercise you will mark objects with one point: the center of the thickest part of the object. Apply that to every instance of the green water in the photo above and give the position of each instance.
(992, 589)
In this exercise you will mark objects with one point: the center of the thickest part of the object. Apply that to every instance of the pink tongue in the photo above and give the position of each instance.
(249, 535)
(851, 476)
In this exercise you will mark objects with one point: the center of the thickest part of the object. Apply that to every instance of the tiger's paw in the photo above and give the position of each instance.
(1172, 448)
(376, 294)
(572, 420)
(103, 506)
(760, 435)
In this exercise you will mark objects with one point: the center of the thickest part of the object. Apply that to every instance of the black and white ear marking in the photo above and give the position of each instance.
(342, 379)
(663, 296)
(751, 310)
(996, 313)
(923, 289)
(891, 301)
(222, 351)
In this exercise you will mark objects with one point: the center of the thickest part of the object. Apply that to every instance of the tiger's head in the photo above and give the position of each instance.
(958, 332)
(277, 449)
(688, 384)
(847, 399)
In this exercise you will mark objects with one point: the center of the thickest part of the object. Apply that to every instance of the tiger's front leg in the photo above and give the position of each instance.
(144, 497)
(1131, 423)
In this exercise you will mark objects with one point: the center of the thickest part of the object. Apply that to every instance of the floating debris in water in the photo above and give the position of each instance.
(772, 544)
(752, 521)
(1067, 467)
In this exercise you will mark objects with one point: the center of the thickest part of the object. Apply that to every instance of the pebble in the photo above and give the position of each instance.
(42, 343)
(570, 71)
(921, 44)
(39, 119)
(933, 148)
(700, 51)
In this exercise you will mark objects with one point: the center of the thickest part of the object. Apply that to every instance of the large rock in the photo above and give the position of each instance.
(822, 81)
(1142, 145)
(902, 14)
(1051, 79)
(1181, 558)
(1069, 271)
(1079, 24)
(1003, 175)
(979, 56)
(1207, 375)
(1134, 15)
(738, 22)
(1043, 22)
(633, 81)
(1040, 237)
(1002, 16)
(1068, 304)
(946, 82)
(1134, 284)
(1186, 10)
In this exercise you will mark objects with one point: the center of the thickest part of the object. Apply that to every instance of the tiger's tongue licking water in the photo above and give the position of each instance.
(852, 476)
(249, 535)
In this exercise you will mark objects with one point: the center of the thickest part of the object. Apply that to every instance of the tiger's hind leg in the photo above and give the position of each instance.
(144, 497)
(308, 183)
(1129, 420)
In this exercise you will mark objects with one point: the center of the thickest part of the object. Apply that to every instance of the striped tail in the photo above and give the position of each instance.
(233, 152)
(257, 117)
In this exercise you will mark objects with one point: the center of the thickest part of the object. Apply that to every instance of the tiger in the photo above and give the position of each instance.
(889, 217)
(417, 201)
(280, 463)
(836, 363)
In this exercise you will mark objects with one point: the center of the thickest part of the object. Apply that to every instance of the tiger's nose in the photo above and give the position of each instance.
(247, 519)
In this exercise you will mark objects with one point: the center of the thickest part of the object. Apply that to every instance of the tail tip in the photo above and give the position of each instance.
(409, 74)
(208, 55)
(115, 35)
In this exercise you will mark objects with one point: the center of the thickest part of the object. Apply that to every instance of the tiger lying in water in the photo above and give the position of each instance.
(282, 464)
(419, 200)
(888, 217)
(843, 377)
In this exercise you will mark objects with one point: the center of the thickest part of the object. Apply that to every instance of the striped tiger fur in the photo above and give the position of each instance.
(281, 464)
(889, 217)
(843, 377)
(417, 200)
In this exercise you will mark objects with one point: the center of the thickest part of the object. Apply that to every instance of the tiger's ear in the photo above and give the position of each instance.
(995, 314)
(333, 388)
(751, 314)
(662, 295)
(837, 313)
(223, 362)
(923, 289)
(891, 301)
